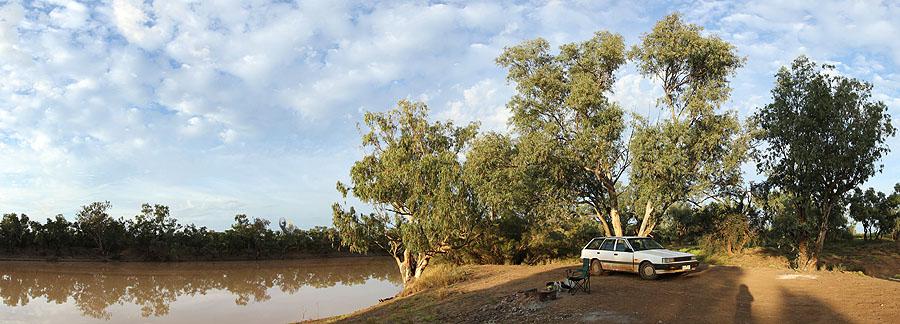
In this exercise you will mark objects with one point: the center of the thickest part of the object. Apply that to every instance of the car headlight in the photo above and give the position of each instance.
(668, 260)
(693, 258)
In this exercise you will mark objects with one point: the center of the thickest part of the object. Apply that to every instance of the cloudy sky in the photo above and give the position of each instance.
(215, 108)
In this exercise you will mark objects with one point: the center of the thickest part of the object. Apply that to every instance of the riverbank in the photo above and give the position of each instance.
(723, 294)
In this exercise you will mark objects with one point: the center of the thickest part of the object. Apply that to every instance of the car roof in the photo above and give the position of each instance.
(620, 237)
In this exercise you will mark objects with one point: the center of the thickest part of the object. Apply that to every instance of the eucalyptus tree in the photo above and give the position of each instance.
(154, 231)
(519, 183)
(876, 211)
(413, 178)
(107, 233)
(691, 149)
(564, 98)
(822, 136)
(94, 221)
(15, 231)
(55, 234)
(865, 208)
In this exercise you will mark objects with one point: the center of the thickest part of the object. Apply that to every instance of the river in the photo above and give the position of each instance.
(192, 292)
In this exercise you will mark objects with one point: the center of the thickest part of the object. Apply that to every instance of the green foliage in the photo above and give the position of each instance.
(696, 152)
(823, 132)
(562, 105)
(412, 176)
(529, 218)
(562, 108)
(153, 232)
(105, 232)
(822, 136)
(693, 68)
(249, 237)
(875, 211)
(15, 231)
(731, 231)
(54, 235)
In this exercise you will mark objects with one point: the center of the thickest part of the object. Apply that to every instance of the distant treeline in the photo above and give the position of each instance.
(154, 235)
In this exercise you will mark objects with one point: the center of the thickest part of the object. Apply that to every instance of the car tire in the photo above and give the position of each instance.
(596, 268)
(647, 271)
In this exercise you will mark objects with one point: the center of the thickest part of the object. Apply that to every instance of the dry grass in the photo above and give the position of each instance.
(439, 276)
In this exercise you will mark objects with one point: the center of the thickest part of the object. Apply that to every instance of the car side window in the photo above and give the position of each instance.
(594, 245)
(620, 246)
(607, 245)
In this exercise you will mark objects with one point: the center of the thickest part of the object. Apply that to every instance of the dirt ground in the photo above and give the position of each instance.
(713, 294)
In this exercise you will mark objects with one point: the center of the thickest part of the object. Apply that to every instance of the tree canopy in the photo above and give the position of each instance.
(563, 101)
(413, 177)
(822, 136)
(693, 149)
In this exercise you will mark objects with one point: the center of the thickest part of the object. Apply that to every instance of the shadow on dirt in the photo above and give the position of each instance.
(802, 308)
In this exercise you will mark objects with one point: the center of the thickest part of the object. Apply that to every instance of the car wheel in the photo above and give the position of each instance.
(596, 268)
(647, 271)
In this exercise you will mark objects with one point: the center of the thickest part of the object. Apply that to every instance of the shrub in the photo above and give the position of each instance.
(731, 234)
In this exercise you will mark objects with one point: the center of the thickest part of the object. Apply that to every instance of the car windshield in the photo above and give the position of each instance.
(640, 244)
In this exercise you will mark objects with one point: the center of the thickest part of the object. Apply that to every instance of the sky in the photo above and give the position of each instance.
(222, 107)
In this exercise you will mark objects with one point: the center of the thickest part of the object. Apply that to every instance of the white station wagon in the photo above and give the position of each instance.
(642, 255)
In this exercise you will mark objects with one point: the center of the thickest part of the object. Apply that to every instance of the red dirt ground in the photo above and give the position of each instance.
(713, 294)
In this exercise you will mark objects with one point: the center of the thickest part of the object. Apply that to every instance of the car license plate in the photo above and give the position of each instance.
(686, 267)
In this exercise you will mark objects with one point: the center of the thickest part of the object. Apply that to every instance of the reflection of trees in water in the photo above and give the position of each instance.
(94, 287)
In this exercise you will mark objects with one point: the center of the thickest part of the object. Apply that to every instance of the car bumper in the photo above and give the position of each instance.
(676, 267)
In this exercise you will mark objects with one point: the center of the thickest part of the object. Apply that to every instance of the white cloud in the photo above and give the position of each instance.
(135, 22)
(637, 94)
(218, 107)
(483, 102)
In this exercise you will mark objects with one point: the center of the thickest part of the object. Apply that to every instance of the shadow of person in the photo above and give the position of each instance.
(742, 309)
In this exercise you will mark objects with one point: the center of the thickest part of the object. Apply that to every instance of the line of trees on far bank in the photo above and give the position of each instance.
(154, 235)
(877, 213)
(577, 165)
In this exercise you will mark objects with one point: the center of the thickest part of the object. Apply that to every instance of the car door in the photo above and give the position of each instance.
(622, 256)
(605, 254)
(591, 250)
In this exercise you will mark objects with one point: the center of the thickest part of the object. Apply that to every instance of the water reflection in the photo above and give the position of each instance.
(94, 287)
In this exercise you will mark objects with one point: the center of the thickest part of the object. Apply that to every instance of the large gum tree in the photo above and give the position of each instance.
(563, 100)
(412, 177)
(821, 137)
(692, 149)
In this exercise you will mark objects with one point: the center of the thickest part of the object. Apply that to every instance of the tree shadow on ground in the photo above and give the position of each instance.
(801, 308)
(713, 294)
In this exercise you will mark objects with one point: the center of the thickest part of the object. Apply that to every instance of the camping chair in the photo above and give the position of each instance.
(581, 278)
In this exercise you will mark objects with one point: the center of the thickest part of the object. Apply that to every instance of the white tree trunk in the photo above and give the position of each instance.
(646, 223)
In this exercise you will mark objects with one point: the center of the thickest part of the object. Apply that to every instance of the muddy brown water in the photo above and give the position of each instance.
(213, 292)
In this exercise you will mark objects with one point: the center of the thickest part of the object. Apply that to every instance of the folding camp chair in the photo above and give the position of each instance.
(581, 278)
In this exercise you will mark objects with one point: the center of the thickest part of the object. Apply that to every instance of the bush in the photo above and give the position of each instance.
(731, 234)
